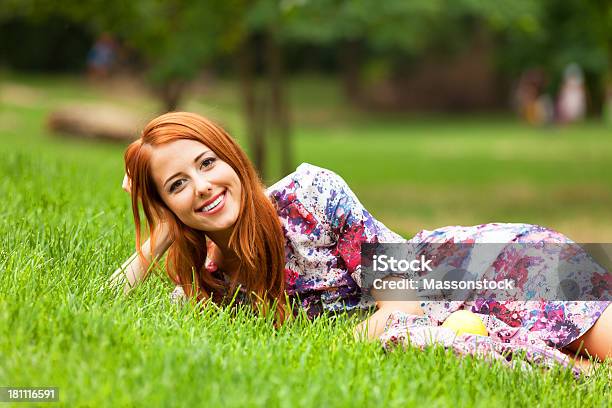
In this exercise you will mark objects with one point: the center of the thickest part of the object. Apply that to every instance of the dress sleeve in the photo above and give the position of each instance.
(349, 222)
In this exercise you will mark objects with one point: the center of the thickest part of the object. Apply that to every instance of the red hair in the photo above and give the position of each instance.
(257, 237)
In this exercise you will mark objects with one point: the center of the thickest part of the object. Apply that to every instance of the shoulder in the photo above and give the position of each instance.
(307, 183)
(306, 175)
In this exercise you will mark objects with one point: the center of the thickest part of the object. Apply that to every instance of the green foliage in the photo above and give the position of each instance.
(406, 26)
(566, 31)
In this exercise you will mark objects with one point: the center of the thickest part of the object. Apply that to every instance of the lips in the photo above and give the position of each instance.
(211, 201)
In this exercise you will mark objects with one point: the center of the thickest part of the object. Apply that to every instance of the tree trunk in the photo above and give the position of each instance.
(595, 87)
(280, 112)
(171, 94)
(252, 109)
(349, 60)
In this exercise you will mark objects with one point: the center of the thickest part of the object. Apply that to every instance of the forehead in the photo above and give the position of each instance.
(169, 158)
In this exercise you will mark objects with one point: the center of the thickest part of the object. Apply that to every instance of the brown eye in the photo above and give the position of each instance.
(175, 185)
(207, 162)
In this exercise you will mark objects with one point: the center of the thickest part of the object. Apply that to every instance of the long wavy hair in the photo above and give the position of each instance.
(257, 238)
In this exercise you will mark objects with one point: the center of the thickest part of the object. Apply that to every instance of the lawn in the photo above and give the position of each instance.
(66, 226)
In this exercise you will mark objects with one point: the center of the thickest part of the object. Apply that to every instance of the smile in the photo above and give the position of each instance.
(215, 206)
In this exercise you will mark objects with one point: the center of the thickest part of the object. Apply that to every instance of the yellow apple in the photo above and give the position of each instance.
(463, 321)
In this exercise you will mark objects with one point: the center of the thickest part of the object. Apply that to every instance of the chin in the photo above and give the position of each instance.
(219, 226)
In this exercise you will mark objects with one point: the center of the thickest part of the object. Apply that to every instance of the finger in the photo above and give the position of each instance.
(127, 184)
(213, 256)
(211, 266)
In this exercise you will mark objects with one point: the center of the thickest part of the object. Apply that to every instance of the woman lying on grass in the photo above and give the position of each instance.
(301, 237)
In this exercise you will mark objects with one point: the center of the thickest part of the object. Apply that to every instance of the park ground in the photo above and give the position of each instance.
(66, 226)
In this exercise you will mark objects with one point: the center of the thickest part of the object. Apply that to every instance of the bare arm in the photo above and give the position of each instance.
(372, 327)
(132, 272)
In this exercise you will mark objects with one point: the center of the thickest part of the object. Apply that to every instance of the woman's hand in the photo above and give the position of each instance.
(214, 257)
(373, 327)
(127, 184)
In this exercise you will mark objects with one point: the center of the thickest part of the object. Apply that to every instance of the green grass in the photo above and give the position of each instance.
(66, 226)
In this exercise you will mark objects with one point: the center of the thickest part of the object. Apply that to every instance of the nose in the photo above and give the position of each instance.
(203, 186)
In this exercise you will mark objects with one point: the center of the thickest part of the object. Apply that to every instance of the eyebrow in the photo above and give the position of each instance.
(194, 160)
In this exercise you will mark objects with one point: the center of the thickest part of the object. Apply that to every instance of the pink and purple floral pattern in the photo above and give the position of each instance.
(515, 347)
(324, 225)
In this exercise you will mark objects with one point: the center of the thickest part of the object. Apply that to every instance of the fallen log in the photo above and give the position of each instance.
(96, 122)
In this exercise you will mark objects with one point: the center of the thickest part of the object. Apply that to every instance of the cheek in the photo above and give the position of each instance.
(236, 195)
(180, 203)
(237, 185)
(239, 195)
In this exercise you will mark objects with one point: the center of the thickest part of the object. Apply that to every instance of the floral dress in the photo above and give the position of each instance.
(325, 224)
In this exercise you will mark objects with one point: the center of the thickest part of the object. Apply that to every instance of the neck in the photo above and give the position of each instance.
(221, 239)
(229, 259)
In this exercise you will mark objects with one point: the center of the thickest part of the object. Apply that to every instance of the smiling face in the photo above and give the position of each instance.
(197, 186)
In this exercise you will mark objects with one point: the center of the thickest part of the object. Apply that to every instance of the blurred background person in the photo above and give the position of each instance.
(571, 105)
(102, 57)
(533, 105)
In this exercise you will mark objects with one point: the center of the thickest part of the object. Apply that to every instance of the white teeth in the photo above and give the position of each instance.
(213, 204)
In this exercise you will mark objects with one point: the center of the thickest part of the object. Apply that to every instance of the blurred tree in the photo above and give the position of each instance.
(269, 19)
(394, 31)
